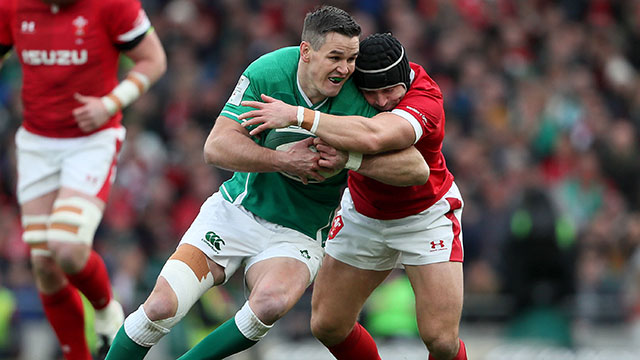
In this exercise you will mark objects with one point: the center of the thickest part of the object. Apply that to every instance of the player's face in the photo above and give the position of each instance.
(330, 66)
(385, 99)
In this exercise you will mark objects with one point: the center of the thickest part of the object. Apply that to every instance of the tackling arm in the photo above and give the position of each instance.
(404, 167)
(385, 131)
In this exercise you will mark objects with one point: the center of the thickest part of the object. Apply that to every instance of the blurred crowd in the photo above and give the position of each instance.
(542, 105)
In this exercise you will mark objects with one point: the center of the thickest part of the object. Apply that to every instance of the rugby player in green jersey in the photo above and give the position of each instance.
(272, 216)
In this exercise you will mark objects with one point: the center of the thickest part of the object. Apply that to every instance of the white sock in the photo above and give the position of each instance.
(249, 324)
(143, 331)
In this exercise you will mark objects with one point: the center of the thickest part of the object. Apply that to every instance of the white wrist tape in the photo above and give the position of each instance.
(300, 115)
(316, 122)
(126, 92)
(354, 161)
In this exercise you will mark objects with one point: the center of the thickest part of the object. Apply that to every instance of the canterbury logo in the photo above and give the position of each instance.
(54, 57)
(214, 240)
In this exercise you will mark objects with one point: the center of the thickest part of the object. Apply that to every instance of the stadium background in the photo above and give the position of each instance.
(543, 114)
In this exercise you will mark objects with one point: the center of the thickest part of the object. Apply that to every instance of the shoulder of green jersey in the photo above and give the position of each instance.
(265, 72)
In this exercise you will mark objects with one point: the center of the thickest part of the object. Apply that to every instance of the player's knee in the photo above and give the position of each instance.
(183, 280)
(45, 269)
(328, 330)
(71, 257)
(73, 220)
(269, 306)
(162, 303)
(441, 346)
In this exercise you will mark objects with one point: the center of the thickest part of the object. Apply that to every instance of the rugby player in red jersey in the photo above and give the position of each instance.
(379, 226)
(67, 145)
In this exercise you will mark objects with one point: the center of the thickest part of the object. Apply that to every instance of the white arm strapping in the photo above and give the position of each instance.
(300, 115)
(316, 122)
(126, 92)
(354, 161)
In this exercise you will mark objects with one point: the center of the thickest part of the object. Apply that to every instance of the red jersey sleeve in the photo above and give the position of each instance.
(6, 38)
(126, 22)
(422, 105)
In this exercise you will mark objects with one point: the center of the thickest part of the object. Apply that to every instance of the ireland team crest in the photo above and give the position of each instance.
(214, 241)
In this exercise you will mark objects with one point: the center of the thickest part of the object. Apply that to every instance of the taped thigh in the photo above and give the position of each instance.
(35, 233)
(187, 272)
(74, 219)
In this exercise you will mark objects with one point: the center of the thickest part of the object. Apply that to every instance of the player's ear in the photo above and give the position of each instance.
(305, 51)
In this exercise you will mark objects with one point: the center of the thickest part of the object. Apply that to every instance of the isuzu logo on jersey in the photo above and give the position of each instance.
(55, 57)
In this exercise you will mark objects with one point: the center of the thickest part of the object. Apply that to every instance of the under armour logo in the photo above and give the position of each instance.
(28, 26)
(436, 243)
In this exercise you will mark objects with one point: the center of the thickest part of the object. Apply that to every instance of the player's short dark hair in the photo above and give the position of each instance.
(326, 19)
(381, 63)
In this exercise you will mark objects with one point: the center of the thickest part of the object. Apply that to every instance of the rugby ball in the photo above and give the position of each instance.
(283, 139)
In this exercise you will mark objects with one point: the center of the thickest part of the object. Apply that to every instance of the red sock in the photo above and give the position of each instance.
(462, 353)
(93, 281)
(66, 315)
(358, 345)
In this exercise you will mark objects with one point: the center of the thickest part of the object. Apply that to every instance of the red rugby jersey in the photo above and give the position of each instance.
(422, 106)
(66, 50)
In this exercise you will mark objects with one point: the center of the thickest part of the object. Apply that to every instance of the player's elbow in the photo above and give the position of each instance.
(208, 156)
(421, 176)
(162, 63)
(159, 63)
(211, 157)
(153, 53)
(415, 176)
(211, 154)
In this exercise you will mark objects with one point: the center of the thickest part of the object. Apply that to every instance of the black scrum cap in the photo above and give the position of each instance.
(382, 63)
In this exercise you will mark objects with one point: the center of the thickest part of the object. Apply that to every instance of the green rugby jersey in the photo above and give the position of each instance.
(273, 196)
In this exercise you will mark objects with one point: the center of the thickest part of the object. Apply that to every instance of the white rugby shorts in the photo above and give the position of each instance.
(232, 236)
(86, 164)
(434, 235)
